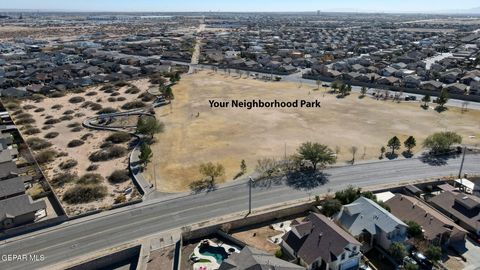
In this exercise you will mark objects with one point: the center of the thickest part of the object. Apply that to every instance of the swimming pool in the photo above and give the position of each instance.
(218, 253)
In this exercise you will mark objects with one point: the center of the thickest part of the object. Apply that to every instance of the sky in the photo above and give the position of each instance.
(243, 5)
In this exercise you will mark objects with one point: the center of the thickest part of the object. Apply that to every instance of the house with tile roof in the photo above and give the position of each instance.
(318, 243)
(251, 258)
(437, 228)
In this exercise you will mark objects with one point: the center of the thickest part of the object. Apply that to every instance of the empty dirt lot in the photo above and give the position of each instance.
(197, 133)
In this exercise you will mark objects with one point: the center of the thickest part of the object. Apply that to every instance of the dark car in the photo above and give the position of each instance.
(410, 98)
(325, 85)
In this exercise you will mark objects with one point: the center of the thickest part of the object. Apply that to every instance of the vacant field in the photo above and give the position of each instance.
(58, 121)
(228, 135)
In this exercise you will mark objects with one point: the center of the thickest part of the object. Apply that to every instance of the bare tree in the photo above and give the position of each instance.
(353, 150)
(266, 167)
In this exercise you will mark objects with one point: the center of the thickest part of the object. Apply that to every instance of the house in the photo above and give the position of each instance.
(432, 85)
(412, 81)
(18, 210)
(388, 71)
(437, 229)
(318, 243)
(475, 88)
(11, 187)
(457, 88)
(388, 80)
(371, 224)
(464, 209)
(251, 258)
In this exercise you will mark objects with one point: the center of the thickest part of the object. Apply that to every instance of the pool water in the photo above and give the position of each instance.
(218, 253)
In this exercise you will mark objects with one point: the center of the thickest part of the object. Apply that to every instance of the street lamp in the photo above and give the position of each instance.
(250, 182)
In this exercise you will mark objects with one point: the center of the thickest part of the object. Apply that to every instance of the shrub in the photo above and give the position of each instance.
(52, 121)
(17, 112)
(120, 199)
(118, 137)
(133, 105)
(32, 131)
(106, 144)
(25, 121)
(96, 107)
(109, 153)
(57, 94)
(90, 179)
(68, 164)
(91, 93)
(75, 143)
(132, 90)
(51, 135)
(66, 118)
(107, 110)
(38, 143)
(29, 107)
(119, 176)
(86, 136)
(75, 100)
(84, 194)
(146, 97)
(57, 107)
(46, 156)
(92, 167)
(12, 106)
(49, 117)
(80, 114)
(37, 110)
(61, 179)
(111, 99)
(47, 127)
(106, 87)
(72, 125)
(121, 84)
(76, 129)
(22, 115)
(68, 112)
(114, 94)
(121, 98)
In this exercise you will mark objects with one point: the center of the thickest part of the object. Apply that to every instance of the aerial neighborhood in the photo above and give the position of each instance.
(113, 154)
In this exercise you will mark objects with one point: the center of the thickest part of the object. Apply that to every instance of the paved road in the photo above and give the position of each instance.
(118, 226)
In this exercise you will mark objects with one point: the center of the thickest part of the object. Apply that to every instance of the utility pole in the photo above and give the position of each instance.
(461, 165)
(250, 182)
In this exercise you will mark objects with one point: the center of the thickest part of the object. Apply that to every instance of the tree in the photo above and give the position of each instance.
(434, 253)
(442, 99)
(441, 142)
(343, 90)
(394, 144)
(266, 167)
(348, 195)
(317, 154)
(146, 154)
(330, 207)
(414, 230)
(363, 91)
(353, 150)
(398, 251)
(410, 266)
(149, 126)
(334, 86)
(410, 143)
(426, 99)
(243, 166)
(212, 170)
(318, 84)
(168, 93)
(382, 152)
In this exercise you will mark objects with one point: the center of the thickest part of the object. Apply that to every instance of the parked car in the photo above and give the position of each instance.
(325, 85)
(421, 260)
(410, 98)
(364, 267)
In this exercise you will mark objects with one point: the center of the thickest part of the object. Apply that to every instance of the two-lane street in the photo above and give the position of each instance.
(94, 233)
